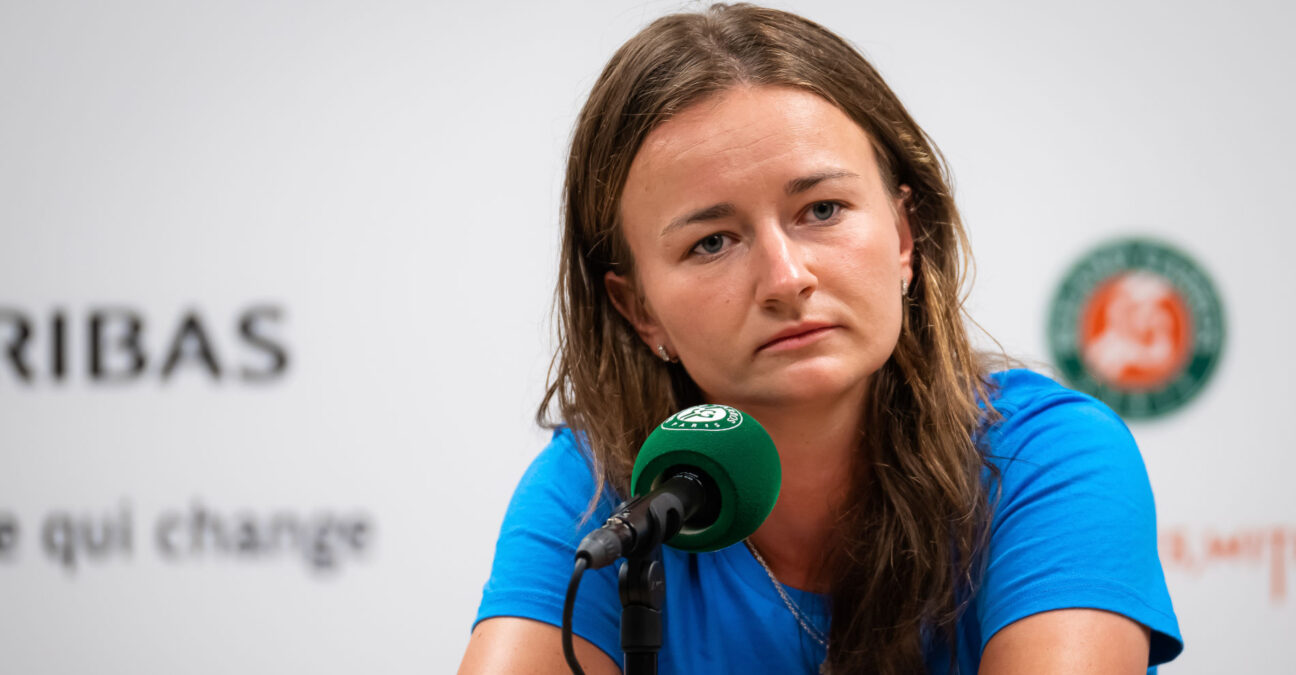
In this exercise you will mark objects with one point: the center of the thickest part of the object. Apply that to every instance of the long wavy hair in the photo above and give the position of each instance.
(904, 560)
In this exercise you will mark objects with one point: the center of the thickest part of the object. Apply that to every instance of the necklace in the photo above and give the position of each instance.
(814, 633)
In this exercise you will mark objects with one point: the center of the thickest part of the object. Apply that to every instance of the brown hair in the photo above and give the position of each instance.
(907, 539)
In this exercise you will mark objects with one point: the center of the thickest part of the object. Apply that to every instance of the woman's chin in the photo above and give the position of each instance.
(801, 387)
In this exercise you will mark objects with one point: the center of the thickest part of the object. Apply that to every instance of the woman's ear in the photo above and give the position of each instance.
(622, 293)
(904, 210)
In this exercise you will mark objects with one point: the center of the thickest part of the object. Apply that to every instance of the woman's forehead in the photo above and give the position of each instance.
(746, 136)
(751, 118)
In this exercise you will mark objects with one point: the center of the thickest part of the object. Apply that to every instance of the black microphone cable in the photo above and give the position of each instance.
(569, 604)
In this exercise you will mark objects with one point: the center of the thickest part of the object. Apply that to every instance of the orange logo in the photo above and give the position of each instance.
(1136, 332)
(1138, 325)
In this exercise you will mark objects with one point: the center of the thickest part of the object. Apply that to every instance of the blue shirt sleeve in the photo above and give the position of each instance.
(1075, 523)
(536, 549)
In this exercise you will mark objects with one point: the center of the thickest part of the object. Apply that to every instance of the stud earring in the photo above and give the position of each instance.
(661, 351)
(904, 287)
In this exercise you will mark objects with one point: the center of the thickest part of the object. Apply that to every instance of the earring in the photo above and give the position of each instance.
(661, 351)
(904, 287)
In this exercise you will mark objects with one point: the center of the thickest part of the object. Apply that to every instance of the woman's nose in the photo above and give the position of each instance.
(783, 278)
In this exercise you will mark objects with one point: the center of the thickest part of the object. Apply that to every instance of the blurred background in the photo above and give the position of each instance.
(275, 284)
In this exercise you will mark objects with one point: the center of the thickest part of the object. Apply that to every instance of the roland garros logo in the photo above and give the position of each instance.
(1138, 325)
(705, 418)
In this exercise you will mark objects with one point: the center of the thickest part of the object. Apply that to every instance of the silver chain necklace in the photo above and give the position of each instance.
(814, 633)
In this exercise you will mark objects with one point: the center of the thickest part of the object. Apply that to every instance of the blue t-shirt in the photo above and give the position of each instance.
(1074, 527)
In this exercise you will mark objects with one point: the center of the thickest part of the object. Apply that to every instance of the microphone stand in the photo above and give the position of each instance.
(642, 585)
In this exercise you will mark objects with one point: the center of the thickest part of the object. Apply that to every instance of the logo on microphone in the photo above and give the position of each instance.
(706, 417)
(1138, 325)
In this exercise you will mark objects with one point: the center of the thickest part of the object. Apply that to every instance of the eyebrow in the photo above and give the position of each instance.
(726, 209)
(798, 185)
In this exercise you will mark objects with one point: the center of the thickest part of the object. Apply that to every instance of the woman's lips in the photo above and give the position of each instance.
(796, 339)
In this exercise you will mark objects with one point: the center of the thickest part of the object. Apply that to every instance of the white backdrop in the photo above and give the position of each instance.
(376, 185)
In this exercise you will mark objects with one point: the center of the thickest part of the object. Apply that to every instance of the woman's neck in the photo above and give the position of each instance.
(816, 445)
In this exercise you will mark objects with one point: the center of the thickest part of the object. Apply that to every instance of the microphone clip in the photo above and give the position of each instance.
(640, 525)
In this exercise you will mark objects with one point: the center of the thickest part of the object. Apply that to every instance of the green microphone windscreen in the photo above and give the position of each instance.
(729, 447)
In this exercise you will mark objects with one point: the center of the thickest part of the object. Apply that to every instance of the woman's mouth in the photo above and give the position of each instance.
(797, 337)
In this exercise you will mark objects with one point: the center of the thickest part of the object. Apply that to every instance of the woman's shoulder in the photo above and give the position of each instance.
(559, 482)
(564, 459)
(1041, 421)
(563, 453)
(1047, 435)
(1019, 389)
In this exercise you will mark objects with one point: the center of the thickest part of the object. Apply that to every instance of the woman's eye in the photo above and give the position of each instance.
(710, 245)
(824, 210)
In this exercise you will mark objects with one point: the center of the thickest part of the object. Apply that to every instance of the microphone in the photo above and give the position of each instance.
(705, 478)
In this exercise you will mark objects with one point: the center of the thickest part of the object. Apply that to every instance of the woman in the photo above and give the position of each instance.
(753, 219)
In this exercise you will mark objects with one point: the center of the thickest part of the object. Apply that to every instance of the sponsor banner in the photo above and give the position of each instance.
(1261, 549)
(114, 343)
(80, 540)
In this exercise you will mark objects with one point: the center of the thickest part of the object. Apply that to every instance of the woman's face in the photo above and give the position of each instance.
(768, 251)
